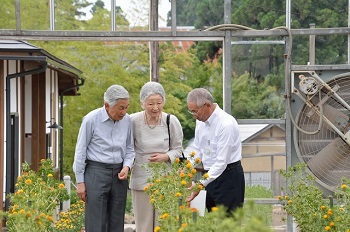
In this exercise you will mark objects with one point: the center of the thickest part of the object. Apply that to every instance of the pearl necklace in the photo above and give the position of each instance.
(157, 121)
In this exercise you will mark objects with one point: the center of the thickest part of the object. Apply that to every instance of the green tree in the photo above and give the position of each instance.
(99, 4)
(184, 13)
(68, 13)
(7, 15)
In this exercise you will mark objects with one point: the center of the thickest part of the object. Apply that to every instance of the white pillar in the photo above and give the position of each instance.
(67, 184)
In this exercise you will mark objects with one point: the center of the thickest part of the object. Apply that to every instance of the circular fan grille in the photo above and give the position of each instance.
(326, 153)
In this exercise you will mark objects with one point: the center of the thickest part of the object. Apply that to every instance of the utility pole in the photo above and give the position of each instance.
(154, 45)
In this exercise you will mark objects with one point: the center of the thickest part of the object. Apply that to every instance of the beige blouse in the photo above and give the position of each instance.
(153, 140)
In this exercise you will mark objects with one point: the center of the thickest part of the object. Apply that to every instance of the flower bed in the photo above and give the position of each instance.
(37, 196)
(310, 208)
(168, 189)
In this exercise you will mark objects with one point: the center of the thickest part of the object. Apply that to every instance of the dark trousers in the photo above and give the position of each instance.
(227, 190)
(106, 198)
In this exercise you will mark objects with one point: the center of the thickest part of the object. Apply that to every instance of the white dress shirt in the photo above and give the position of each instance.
(217, 143)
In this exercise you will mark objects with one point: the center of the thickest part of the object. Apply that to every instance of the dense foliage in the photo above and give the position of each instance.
(267, 14)
(312, 211)
(169, 187)
(37, 196)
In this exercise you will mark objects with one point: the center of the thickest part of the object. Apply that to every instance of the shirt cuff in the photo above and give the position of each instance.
(79, 178)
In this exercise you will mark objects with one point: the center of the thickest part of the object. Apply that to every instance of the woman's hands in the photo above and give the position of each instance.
(159, 157)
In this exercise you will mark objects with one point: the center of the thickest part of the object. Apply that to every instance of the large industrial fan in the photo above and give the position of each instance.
(321, 131)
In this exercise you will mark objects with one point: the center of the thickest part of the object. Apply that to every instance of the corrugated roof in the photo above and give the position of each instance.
(16, 45)
(248, 130)
(68, 74)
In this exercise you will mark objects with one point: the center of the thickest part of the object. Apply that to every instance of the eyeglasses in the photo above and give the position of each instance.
(196, 112)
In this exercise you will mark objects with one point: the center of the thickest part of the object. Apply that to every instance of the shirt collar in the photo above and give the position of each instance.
(213, 116)
(105, 116)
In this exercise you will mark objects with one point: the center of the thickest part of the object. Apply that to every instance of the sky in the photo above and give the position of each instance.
(163, 8)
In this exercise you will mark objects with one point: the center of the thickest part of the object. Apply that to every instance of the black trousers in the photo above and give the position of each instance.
(106, 198)
(227, 190)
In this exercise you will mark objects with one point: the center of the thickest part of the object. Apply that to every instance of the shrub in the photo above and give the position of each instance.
(73, 219)
(169, 187)
(309, 207)
(37, 195)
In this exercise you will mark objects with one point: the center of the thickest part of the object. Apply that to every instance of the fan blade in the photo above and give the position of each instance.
(335, 116)
(327, 159)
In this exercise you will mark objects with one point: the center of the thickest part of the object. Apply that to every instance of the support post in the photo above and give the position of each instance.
(154, 45)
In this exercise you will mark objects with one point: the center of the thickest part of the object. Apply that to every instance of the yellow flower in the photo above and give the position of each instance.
(178, 194)
(19, 191)
(323, 207)
(214, 209)
(327, 228)
(157, 229)
(28, 181)
(331, 224)
(182, 175)
(189, 165)
(177, 160)
(61, 185)
(193, 153)
(194, 171)
(190, 175)
(158, 180)
(344, 186)
(145, 188)
(325, 216)
(184, 225)
(290, 202)
(198, 160)
(206, 175)
(183, 182)
(279, 197)
(49, 175)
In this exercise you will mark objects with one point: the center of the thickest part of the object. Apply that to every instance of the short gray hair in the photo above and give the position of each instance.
(115, 93)
(151, 88)
(200, 96)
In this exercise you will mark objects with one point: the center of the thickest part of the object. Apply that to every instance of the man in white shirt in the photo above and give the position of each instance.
(217, 143)
(104, 155)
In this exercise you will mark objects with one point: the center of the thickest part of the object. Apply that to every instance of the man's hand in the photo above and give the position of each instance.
(159, 157)
(193, 194)
(123, 174)
(81, 191)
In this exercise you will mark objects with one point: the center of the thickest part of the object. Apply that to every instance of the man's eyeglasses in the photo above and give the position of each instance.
(196, 112)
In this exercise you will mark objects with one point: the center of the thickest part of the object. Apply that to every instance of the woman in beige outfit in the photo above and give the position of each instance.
(151, 141)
